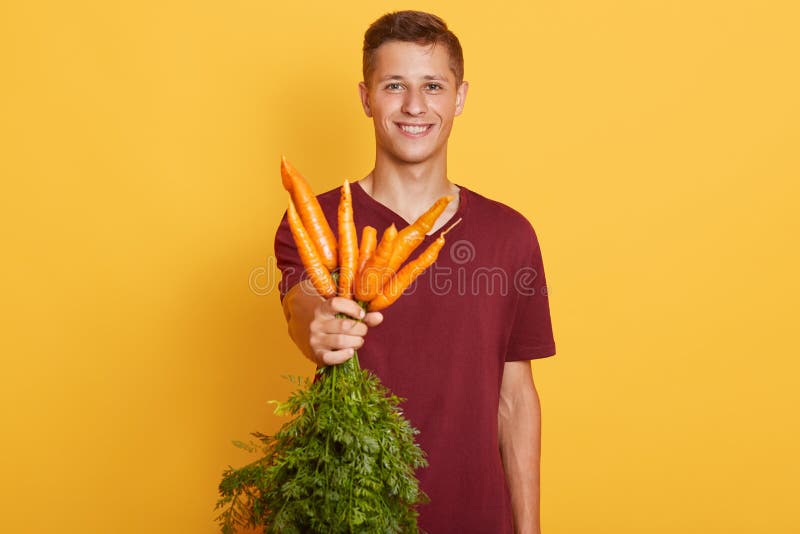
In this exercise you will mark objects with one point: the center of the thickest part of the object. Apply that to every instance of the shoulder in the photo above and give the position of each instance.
(499, 234)
(501, 218)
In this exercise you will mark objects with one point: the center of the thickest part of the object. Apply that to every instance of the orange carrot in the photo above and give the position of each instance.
(348, 243)
(310, 213)
(369, 239)
(394, 288)
(375, 273)
(386, 246)
(412, 235)
(318, 274)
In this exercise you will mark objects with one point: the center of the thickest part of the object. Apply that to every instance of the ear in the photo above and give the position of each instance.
(364, 94)
(461, 97)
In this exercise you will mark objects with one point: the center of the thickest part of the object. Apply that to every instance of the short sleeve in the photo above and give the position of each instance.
(532, 331)
(288, 259)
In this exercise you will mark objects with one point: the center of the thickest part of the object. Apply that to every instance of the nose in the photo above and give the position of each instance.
(414, 103)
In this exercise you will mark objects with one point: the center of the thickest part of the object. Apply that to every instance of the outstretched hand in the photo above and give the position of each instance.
(323, 337)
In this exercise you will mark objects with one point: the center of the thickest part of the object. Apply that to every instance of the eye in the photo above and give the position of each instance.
(393, 86)
(434, 86)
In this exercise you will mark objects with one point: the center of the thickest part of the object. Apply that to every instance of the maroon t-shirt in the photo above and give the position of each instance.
(443, 344)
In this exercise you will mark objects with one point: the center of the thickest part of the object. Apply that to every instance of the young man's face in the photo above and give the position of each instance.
(412, 98)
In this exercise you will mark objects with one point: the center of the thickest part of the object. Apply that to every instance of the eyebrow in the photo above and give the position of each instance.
(437, 77)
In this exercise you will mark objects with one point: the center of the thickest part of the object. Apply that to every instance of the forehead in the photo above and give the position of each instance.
(412, 61)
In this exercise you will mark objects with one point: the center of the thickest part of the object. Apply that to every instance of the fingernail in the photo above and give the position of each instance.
(362, 314)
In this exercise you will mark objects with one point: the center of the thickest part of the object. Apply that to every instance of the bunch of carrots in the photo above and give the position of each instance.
(346, 462)
(369, 272)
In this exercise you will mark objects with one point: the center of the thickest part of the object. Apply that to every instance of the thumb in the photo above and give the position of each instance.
(373, 318)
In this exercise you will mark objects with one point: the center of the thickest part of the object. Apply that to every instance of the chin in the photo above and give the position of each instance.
(414, 156)
(411, 158)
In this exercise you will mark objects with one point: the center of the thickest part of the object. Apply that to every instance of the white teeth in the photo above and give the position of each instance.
(413, 129)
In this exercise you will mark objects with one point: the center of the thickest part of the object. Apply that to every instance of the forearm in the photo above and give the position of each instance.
(299, 306)
(519, 427)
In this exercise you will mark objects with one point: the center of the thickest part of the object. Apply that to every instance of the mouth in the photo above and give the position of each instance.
(414, 130)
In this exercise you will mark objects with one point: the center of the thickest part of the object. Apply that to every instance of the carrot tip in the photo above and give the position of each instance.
(286, 179)
(450, 227)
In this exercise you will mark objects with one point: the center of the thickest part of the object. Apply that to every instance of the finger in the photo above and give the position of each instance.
(347, 307)
(373, 318)
(340, 341)
(320, 342)
(344, 326)
(336, 334)
(328, 308)
(333, 357)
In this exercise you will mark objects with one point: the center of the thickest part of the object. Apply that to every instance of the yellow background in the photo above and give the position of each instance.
(653, 144)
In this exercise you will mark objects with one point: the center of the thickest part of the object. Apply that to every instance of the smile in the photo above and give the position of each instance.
(415, 130)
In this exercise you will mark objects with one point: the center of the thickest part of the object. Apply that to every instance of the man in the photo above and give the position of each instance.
(459, 346)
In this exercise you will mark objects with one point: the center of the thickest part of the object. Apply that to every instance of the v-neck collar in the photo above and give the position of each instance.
(399, 221)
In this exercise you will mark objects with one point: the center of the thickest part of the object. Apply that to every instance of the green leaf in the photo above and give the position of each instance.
(344, 463)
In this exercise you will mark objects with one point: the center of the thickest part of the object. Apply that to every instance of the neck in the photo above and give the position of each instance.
(409, 189)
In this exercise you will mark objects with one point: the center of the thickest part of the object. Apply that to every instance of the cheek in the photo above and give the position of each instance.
(382, 106)
(444, 107)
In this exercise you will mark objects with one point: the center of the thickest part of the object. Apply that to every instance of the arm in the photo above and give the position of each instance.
(321, 336)
(519, 430)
